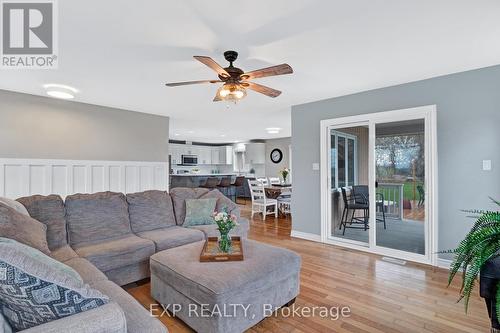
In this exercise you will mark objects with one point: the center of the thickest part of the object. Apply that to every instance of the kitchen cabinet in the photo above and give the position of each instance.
(255, 153)
(207, 155)
(215, 155)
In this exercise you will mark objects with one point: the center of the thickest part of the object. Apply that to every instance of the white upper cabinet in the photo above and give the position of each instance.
(207, 155)
(255, 153)
(216, 155)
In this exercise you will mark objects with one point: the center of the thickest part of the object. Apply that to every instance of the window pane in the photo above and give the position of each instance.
(350, 164)
(333, 156)
(341, 162)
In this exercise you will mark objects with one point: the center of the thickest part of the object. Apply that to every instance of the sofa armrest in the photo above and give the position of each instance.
(108, 318)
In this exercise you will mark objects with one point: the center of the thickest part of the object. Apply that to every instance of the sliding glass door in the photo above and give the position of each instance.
(378, 183)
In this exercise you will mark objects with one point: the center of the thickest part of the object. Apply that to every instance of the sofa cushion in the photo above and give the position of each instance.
(211, 230)
(179, 196)
(50, 211)
(223, 202)
(86, 270)
(14, 204)
(36, 289)
(63, 254)
(139, 319)
(172, 237)
(118, 252)
(95, 217)
(199, 212)
(150, 210)
(23, 228)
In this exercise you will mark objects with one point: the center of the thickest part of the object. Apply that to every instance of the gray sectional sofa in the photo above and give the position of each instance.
(108, 238)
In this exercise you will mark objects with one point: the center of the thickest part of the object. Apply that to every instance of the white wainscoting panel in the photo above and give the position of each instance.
(24, 177)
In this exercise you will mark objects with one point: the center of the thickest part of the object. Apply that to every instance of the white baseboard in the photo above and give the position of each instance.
(443, 263)
(306, 235)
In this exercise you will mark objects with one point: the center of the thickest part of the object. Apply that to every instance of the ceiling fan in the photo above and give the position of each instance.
(236, 81)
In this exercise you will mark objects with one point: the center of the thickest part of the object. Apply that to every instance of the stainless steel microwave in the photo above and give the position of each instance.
(189, 160)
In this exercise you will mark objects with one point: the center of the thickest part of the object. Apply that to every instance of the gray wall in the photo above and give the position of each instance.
(41, 127)
(468, 122)
(272, 169)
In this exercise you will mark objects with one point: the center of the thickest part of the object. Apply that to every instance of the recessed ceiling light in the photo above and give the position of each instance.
(223, 135)
(176, 134)
(190, 132)
(273, 130)
(60, 94)
(60, 91)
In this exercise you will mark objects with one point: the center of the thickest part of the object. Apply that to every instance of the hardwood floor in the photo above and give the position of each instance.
(383, 297)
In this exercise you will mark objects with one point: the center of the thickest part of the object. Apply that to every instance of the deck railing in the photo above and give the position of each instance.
(393, 199)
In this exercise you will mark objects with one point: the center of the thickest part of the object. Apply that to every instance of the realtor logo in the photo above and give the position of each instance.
(29, 34)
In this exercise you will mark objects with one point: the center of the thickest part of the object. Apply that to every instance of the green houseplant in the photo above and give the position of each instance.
(480, 245)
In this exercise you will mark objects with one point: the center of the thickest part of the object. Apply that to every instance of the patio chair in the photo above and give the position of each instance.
(421, 195)
(350, 208)
(361, 195)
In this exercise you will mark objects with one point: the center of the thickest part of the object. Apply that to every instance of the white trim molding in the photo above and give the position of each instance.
(443, 263)
(24, 177)
(306, 235)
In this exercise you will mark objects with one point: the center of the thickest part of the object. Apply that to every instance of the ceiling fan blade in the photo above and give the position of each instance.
(213, 65)
(176, 84)
(269, 71)
(262, 89)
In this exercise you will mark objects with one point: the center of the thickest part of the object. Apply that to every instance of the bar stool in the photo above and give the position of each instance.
(239, 182)
(225, 186)
(211, 183)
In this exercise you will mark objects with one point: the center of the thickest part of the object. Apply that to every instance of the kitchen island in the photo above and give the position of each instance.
(195, 179)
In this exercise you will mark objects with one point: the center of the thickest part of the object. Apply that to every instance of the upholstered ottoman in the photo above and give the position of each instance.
(224, 296)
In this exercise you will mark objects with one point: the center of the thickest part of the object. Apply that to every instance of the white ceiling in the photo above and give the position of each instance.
(120, 53)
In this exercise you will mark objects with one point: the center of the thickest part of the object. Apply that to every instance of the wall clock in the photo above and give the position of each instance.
(276, 155)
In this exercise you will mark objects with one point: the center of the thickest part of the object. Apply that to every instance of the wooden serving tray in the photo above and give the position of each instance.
(211, 252)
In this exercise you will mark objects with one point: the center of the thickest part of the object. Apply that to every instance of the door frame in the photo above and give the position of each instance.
(428, 113)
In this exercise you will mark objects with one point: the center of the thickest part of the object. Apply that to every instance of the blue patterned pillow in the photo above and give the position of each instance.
(199, 212)
(34, 292)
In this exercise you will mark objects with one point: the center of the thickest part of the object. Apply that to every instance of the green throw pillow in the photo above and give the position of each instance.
(199, 212)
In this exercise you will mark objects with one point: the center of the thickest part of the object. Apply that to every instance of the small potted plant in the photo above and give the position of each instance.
(225, 223)
(479, 253)
(284, 174)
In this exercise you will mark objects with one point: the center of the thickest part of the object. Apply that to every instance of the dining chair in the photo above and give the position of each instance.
(260, 202)
(284, 205)
(263, 181)
(274, 181)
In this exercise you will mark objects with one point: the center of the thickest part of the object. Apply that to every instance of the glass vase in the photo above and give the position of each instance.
(225, 242)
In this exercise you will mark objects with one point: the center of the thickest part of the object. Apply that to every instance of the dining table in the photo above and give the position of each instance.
(274, 191)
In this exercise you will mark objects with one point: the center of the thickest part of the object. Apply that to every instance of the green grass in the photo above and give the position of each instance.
(408, 190)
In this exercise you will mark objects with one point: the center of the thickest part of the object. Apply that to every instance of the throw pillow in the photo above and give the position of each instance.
(23, 228)
(14, 204)
(223, 202)
(36, 289)
(4, 325)
(199, 212)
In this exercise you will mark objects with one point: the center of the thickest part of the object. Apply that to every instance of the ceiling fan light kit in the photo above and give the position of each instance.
(236, 80)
